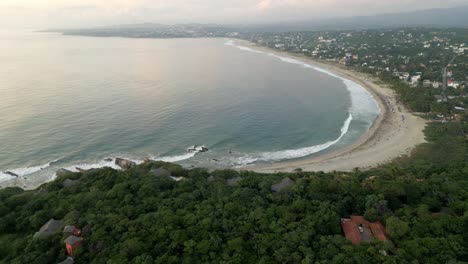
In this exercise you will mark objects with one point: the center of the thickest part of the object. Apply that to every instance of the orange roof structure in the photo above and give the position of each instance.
(358, 230)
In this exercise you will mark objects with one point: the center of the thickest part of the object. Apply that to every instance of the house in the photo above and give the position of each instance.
(342, 61)
(279, 46)
(69, 229)
(359, 230)
(49, 228)
(72, 243)
(282, 185)
(453, 84)
(415, 79)
(436, 85)
(427, 83)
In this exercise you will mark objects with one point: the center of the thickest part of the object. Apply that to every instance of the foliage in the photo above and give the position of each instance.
(136, 217)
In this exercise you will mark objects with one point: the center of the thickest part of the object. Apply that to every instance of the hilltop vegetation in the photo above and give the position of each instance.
(136, 217)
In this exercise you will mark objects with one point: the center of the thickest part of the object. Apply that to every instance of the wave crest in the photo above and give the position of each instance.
(293, 153)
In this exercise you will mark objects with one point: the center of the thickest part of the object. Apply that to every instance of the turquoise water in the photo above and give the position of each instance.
(74, 101)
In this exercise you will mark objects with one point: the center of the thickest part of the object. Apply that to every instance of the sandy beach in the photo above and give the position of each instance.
(395, 133)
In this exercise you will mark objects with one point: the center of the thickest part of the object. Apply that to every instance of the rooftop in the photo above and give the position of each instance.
(48, 228)
(233, 181)
(359, 230)
(161, 172)
(282, 185)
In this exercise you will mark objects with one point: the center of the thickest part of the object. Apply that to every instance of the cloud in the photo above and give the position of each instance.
(70, 13)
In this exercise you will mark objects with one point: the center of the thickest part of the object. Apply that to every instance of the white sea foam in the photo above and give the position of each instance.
(182, 157)
(191, 152)
(22, 172)
(96, 165)
(363, 107)
(293, 153)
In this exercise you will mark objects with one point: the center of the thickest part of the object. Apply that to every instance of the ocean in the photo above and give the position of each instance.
(70, 101)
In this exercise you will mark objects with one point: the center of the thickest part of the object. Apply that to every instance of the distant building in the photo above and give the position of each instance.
(72, 243)
(427, 83)
(279, 46)
(453, 84)
(343, 61)
(359, 230)
(415, 79)
(436, 85)
(69, 229)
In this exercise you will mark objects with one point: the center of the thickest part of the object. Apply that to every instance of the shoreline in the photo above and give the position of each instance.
(388, 137)
(394, 133)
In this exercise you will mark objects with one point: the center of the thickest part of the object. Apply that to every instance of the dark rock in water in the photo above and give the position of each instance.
(12, 174)
(197, 148)
(63, 172)
(216, 160)
(81, 170)
(108, 159)
(204, 149)
(124, 164)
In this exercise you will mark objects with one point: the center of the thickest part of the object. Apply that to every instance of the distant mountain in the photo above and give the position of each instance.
(438, 18)
(445, 17)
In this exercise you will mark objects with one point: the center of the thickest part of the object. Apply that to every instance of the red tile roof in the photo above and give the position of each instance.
(369, 230)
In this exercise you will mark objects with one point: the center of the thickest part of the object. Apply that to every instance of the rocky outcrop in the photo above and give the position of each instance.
(124, 164)
(197, 148)
(81, 170)
(63, 172)
(12, 174)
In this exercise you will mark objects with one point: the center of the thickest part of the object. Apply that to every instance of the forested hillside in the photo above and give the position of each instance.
(143, 216)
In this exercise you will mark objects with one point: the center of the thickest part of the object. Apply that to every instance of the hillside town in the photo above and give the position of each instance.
(433, 62)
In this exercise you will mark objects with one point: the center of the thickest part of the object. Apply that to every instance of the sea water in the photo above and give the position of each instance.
(68, 102)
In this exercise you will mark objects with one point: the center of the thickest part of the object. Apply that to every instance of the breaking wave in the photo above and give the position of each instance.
(293, 153)
(22, 172)
(363, 107)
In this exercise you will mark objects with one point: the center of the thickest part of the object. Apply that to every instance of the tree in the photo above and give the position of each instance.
(396, 228)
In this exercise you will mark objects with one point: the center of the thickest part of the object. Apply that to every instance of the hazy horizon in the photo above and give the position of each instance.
(40, 14)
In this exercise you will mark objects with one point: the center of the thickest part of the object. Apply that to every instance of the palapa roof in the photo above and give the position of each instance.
(69, 229)
(282, 185)
(69, 183)
(161, 172)
(233, 181)
(49, 228)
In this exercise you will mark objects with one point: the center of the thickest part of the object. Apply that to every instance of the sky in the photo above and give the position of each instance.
(42, 14)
